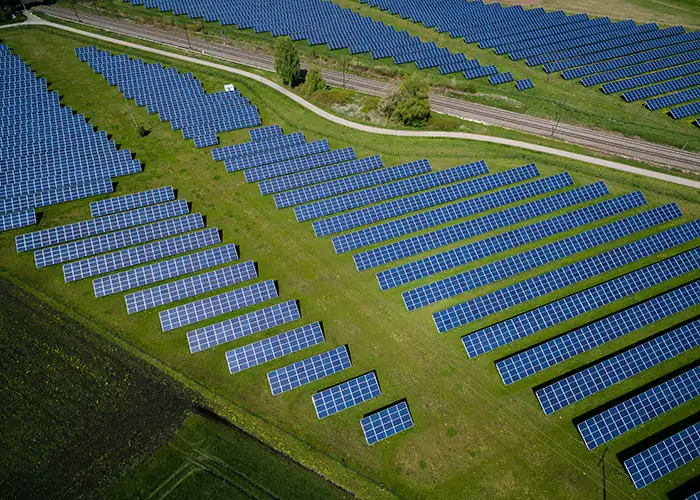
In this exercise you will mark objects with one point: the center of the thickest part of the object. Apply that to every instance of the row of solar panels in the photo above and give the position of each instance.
(377, 204)
(49, 154)
(619, 55)
(177, 98)
(322, 22)
(155, 218)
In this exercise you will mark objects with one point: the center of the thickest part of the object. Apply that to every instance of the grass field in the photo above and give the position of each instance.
(473, 437)
(553, 97)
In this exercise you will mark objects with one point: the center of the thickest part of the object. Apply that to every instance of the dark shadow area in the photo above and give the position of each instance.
(658, 437)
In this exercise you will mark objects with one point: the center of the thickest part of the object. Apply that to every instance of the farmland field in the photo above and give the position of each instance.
(473, 437)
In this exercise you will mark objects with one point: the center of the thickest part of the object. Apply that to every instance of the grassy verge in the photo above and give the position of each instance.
(552, 97)
(473, 437)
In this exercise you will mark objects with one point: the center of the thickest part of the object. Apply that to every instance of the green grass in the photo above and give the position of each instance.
(473, 437)
(553, 97)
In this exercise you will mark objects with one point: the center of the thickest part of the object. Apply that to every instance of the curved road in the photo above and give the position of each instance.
(606, 142)
(33, 20)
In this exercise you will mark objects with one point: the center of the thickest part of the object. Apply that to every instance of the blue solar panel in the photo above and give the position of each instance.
(112, 241)
(426, 199)
(93, 227)
(347, 184)
(577, 272)
(139, 255)
(308, 177)
(663, 458)
(189, 287)
(609, 372)
(275, 155)
(274, 347)
(242, 326)
(309, 370)
(459, 256)
(161, 271)
(524, 84)
(131, 201)
(640, 409)
(16, 220)
(265, 133)
(223, 303)
(572, 306)
(598, 333)
(442, 215)
(257, 146)
(56, 196)
(296, 165)
(381, 193)
(345, 395)
(387, 422)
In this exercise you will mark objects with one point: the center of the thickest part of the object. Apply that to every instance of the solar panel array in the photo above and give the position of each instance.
(560, 349)
(580, 303)
(242, 326)
(441, 215)
(653, 463)
(563, 277)
(459, 256)
(189, 287)
(112, 241)
(132, 201)
(604, 374)
(345, 395)
(140, 255)
(175, 97)
(210, 307)
(50, 155)
(321, 22)
(309, 370)
(387, 422)
(274, 347)
(93, 227)
(167, 269)
(640, 409)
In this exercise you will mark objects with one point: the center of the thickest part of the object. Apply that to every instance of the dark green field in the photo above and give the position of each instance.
(474, 438)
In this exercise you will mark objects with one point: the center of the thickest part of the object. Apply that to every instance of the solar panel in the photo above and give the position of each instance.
(308, 177)
(346, 395)
(566, 276)
(580, 303)
(654, 463)
(380, 193)
(16, 220)
(139, 255)
(604, 374)
(93, 227)
(131, 201)
(296, 165)
(308, 370)
(387, 422)
(275, 155)
(347, 184)
(459, 256)
(242, 326)
(524, 84)
(189, 287)
(274, 347)
(56, 196)
(112, 241)
(442, 215)
(640, 409)
(223, 303)
(597, 333)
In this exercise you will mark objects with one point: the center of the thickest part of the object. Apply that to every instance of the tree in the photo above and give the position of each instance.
(314, 81)
(409, 104)
(287, 64)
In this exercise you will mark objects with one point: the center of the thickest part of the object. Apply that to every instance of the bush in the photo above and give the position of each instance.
(409, 104)
(287, 64)
(314, 81)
